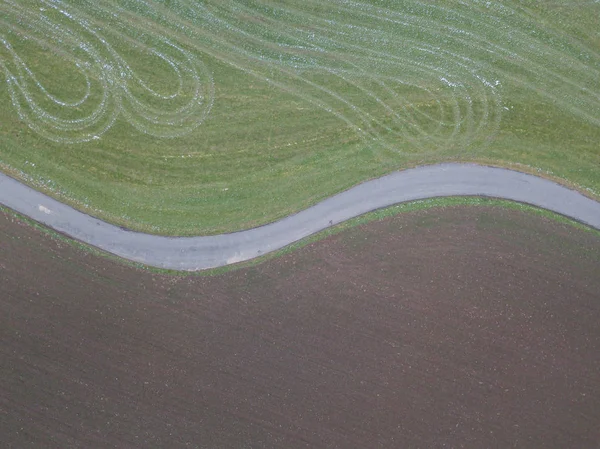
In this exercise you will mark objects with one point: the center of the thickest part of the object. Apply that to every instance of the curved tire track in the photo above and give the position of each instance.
(198, 253)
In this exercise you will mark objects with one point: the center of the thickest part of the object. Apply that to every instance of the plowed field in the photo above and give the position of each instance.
(464, 327)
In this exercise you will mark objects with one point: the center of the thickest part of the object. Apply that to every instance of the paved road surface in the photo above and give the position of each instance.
(197, 253)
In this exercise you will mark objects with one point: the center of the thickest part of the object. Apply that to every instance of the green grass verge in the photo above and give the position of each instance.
(381, 214)
(190, 118)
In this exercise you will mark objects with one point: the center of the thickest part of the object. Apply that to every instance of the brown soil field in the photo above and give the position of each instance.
(464, 327)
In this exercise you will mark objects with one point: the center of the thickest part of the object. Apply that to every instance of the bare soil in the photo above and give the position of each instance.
(443, 328)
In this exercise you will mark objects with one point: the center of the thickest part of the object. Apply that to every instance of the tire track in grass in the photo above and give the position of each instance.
(441, 51)
(341, 73)
(430, 47)
(56, 24)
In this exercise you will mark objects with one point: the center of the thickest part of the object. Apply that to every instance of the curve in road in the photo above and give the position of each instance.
(203, 252)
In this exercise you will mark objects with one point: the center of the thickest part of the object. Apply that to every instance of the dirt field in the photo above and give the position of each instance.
(462, 328)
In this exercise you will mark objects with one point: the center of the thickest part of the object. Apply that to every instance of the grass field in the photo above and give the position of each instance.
(188, 117)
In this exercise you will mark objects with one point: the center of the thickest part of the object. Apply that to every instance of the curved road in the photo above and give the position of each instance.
(198, 253)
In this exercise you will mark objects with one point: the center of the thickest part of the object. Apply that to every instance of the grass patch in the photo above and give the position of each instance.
(191, 118)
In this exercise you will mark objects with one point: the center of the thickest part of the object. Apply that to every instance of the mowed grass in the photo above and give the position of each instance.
(188, 117)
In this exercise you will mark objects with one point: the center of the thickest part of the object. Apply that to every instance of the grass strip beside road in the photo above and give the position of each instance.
(381, 214)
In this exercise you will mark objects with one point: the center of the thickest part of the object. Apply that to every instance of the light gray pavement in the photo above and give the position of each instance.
(197, 253)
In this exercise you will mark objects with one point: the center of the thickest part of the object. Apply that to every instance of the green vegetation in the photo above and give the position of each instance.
(196, 117)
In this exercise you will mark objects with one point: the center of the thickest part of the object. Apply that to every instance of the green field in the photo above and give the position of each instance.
(198, 117)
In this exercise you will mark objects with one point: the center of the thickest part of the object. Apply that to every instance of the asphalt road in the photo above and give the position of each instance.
(197, 253)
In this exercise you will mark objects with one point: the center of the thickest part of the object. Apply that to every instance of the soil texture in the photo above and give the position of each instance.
(463, 327)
